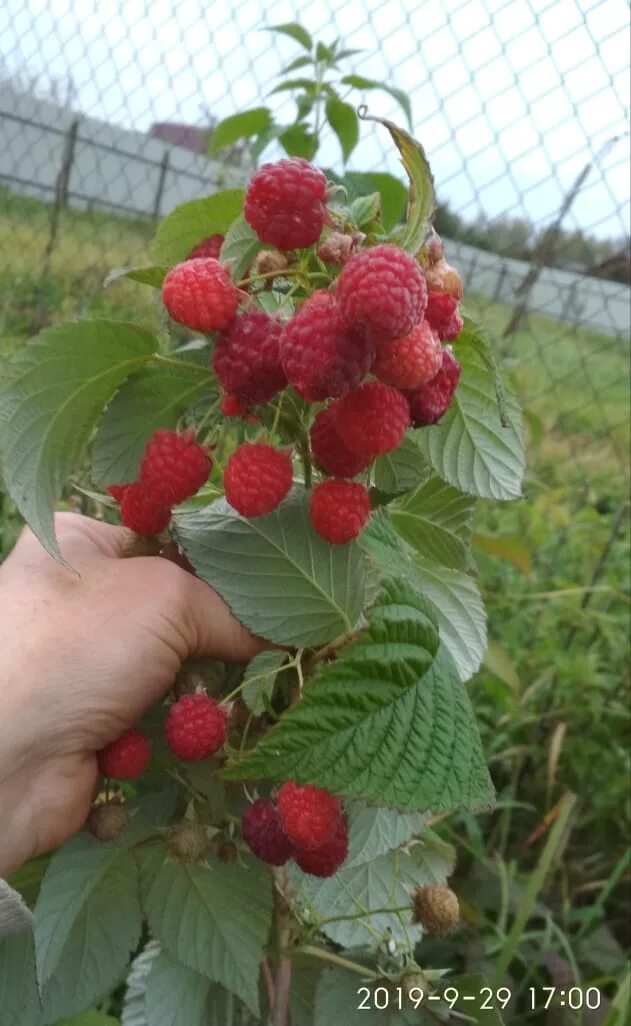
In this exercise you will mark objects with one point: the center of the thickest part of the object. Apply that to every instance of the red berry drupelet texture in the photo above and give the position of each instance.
(174, 467)
(339, 510)
(127, 757)
(246, 358)
(195, 727)
(441, 309)
(327, 859)
(309, 816)
(322, 359)
(410, 361)
(257, 478)
(209, 247)
(233, 406)
(328, 449)
(262, 832)
(372, 420)
(453, 329)
(381, 291)
(139, 510)
(200, 294)
(284, 203)
(429, 403)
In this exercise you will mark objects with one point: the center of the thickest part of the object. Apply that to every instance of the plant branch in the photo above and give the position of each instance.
(330, 956)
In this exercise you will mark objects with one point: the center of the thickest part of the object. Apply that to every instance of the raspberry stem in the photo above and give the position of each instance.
(330, 956)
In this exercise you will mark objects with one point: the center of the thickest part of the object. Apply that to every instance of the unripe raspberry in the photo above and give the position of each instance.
(200, 294)
(372, 420)
(336, 248)
(284, 203)
(188, 841)
(329, 857)
(441, 308)
(246, 358)
(106, 822)
(436, 908)
(126, 758)
(381, 291)
(269, 261)
(195, 727)
(174, 467)
(309, 816)
(262, 832)
(429, 403)
(321, 358)
(410, 361)
(227, 851)
(209, 247)
(442, 277)
(257, 478)
(329, 451)
(339, 510)
(139, 510)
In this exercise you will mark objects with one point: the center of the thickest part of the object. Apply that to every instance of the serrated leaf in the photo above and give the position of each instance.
(403, 468)
(294, 31)
(238, 126)
(240, 246)
(150, 274)
(343, 120)
(259, 680)
(19, 999)
(436, 520)
(279, 577)
(373, 831)
(298, 141)
(359, 82)
(366, 209)
(156, 397)
(52, 396)
(212, 919)
(469, 448)
(190, 222)
(178, 996)
(393, 193)
(365, 1003)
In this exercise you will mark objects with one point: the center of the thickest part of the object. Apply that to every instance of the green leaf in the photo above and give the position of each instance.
(469, 448)
(295, 65)
(150, 274)
(279, 577)
(309, 85)
(178, 996)
(325, 54)
(52, 396)
(212, 919)
(366, 209)
(498, 662)
(188, 224)
(238, 126)
(304, 980)
(298, 141)
(156, 397)
(511, 550)
(359, 82)
(471, 986)
(90, 1018)
(393, 193)
(295, 31)
(19, 999)
(436, 520)
(343, 120)
(373, 831)
(402, 469)
(240, 245)
(340, 989)
(260, 678)
(87, 914)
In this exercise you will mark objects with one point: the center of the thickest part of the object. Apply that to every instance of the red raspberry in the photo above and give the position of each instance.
(127, 757)
(441, 308)
(372, 420)
(410, 361)
(233, 406)
(209, 247)
(309, 815)
(284, 203)
(257, 478)
(428, 403)
(139, 510)
(329, 451)
(174, 467)
(200, 294)
(339, 510)
(320, 358)
(454, 327)
(262, 832)
(326, 860)
(246, 359)
(382, 292)
(195, 727)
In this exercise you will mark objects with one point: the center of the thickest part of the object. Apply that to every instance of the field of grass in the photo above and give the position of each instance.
(553, 695)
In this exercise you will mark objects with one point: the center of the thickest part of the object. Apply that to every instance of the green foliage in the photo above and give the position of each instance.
(188, 224)
(436, 520)
(240, 246)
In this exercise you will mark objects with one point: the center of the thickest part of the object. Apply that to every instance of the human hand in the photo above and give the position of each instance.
(82, 656)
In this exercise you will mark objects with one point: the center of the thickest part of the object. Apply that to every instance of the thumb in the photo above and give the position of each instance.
(211, 629)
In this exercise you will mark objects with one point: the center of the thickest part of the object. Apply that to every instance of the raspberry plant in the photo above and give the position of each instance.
(316, 458)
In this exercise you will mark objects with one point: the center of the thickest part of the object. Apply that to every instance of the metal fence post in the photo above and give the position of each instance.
(164, 167)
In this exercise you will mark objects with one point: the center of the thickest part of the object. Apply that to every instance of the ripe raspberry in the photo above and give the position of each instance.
(410, 361)
(257, 478)
(246, 359)
(200, 294)
(329, 451)
(436, 908)
(442, 277)
(127, 757)
(195, 727)
(320, 358)
(174, 467)
(441, 308)
(372, 420)
(262, 832)
(310, 816)
(233, 406)
(106, 822)
(429, 403)
(284, 203)
(327, 859)
(209, 247)
(454, 327)
(139, 510)
(339, 510)
(382, 292)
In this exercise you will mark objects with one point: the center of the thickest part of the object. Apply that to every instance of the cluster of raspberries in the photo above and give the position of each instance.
(304, 823)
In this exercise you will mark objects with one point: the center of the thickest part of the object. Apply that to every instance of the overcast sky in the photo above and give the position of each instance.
(511, 98)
